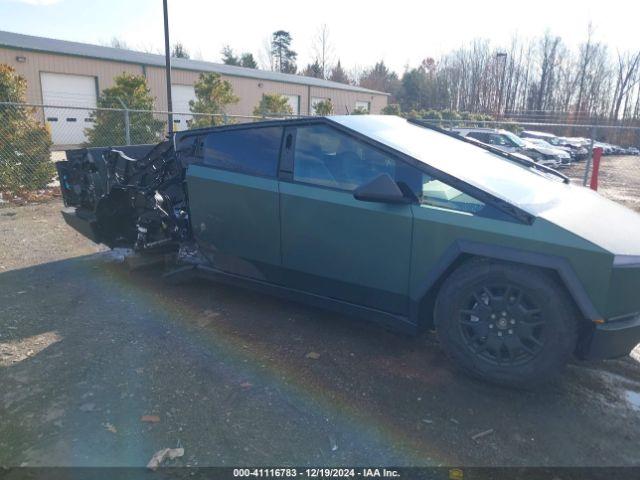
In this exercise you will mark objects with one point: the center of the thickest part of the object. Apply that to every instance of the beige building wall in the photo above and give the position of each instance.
(250, 90)
(104, 71)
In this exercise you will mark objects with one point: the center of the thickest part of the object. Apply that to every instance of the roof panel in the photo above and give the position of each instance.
(51, 45)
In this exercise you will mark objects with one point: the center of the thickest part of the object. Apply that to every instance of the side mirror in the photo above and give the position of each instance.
(382, 189)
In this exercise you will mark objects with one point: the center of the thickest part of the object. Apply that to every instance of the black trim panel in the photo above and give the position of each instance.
(394, 322)
(612, 339)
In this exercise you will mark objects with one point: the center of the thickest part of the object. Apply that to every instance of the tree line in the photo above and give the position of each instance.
(541, 78)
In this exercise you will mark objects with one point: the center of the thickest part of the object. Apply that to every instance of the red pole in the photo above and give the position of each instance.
(597, 154)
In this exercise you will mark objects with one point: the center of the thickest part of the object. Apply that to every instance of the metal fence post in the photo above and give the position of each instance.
(587, 166)
(127, 123)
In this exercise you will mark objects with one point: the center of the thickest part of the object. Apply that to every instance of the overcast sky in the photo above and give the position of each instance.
(400, 32)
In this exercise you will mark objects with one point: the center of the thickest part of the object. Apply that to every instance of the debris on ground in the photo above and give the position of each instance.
(333, 443)
(482, 434)
(164, 454)
(246, 385)
(150, 418)
(110, 427)
(313, 355)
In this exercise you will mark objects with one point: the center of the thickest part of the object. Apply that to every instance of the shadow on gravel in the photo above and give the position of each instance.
(237, 378)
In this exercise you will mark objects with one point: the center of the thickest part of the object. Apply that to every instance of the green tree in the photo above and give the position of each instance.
(338, 74)
(313, 70)
(392, 109)
(380, 78)
(284, 56)
(213, 95)
(25, 144)
(179, 51)
(247, 60)
(273, 105)
(109, 127)
(228, 57)
(324, 107)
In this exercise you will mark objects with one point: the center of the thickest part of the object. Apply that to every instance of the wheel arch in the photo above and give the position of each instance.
(461, 251)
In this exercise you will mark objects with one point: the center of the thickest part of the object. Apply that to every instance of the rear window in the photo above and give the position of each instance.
(252, 150)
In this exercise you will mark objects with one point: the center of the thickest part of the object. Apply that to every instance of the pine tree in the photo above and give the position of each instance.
(129, 91)
(213, 95)
(25, 144)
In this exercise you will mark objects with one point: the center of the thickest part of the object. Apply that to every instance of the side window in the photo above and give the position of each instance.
(439, 194)
(325, 156)
(251, 150)
(482, 137)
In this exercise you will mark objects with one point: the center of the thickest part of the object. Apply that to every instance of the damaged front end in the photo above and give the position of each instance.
(129, 197)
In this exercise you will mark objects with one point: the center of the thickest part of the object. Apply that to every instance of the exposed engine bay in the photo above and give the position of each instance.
(132, 196)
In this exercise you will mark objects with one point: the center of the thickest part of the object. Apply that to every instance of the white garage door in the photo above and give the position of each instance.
(180, 96)
(67, 125)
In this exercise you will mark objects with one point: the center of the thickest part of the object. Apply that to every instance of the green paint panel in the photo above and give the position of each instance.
(329, 236)
(436, 229)
(235, 219)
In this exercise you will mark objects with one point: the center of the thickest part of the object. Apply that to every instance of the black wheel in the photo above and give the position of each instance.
(506, 323)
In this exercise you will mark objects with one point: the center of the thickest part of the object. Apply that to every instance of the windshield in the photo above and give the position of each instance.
(514, 139)
(513, 182)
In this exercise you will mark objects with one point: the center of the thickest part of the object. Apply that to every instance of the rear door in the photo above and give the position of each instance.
(234, 200)
(333, 244)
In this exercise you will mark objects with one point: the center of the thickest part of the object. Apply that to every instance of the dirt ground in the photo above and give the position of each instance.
(89, 348)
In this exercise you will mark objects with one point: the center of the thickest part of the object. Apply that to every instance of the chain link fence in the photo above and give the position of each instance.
(33, 137)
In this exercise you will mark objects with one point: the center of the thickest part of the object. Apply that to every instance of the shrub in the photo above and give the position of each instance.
(324, 107)
(109, 126)
(392, 109)
(213, 95)
(25, 143)
(273, 105)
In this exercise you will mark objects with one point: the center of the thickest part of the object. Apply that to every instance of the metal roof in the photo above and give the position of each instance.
(64, 47)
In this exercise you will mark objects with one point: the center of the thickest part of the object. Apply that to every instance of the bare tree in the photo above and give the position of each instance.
(323, 50)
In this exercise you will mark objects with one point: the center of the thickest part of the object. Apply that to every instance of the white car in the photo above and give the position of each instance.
(547, 148)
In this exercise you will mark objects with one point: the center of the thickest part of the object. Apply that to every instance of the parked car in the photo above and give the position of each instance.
(549, 150)
(580, 147)
(508, 142)
(549, 139)
(412, 227)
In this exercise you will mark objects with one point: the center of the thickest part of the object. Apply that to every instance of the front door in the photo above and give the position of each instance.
(234, 201)
(333, 244)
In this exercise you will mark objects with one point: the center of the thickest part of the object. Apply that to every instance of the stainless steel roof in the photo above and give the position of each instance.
(64, 47)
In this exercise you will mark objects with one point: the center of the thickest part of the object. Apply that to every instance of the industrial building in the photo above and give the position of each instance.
(62, 73)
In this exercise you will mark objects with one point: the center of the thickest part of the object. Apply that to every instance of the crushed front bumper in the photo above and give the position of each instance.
(613, 339)
(82, 221)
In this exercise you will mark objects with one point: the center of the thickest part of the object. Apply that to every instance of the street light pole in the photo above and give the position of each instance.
(167, 57)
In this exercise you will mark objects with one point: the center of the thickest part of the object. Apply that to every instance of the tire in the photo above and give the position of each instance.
(506, 323)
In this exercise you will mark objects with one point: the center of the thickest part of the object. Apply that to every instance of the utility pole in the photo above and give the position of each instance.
(167, 57)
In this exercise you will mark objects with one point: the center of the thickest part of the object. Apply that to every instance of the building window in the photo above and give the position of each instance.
(366, 106)
(294, 103)
(314, 102)
(252, 150)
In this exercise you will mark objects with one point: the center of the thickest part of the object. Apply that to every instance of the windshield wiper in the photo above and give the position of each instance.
(514, 157)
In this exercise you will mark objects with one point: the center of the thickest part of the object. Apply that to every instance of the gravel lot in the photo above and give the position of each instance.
(87, 348)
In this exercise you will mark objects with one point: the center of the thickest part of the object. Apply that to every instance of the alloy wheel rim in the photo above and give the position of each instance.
(502, 325)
